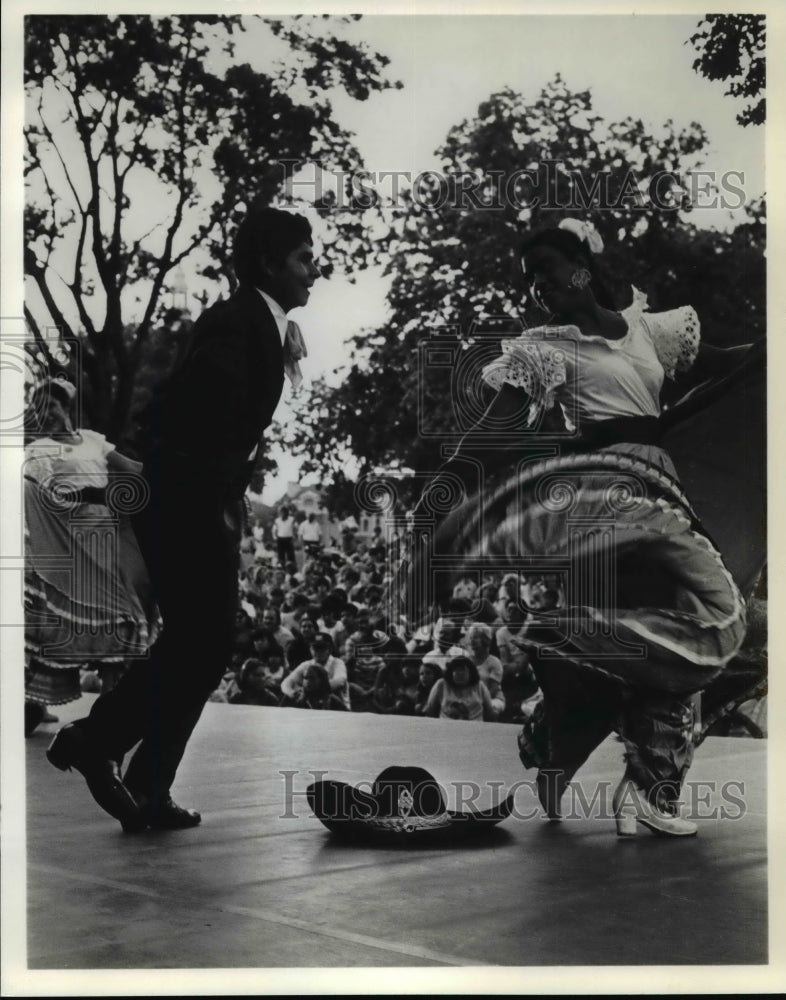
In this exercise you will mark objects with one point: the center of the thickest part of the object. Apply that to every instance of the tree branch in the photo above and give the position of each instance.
(38, 274)
(66, 171)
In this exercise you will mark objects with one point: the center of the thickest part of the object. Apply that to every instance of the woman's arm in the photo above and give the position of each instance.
(122, 463)
(488, 708)
(434, 702)
(508, 403)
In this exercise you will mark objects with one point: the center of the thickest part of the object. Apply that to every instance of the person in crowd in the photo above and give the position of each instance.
(518, 677)
(284, 532)
(428, 675)
(446, 647)
(364, 659)
(321, 656)
(377, 547)
(329, 611)
(276, 597)
(298, 605)
(271, 620)
(346, 626)
(247, 547)
(299, 649)
(508, 594)
(396, 691)
(488, 666)
(311, 535)
(466, 588)
(349, 529)
(256, 684)
(460, 694)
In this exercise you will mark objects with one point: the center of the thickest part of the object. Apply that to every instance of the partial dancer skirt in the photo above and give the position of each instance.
(87, 595)
(650, 603)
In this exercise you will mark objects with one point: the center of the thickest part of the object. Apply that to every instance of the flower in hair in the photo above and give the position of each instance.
(585, 231)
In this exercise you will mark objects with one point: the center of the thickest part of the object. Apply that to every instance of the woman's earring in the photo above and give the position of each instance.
(580, 278)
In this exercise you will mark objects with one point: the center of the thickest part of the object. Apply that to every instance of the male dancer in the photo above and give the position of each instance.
(204, 430)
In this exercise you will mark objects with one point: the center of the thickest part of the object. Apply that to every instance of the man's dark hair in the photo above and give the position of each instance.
(266, 232)
(274, 610)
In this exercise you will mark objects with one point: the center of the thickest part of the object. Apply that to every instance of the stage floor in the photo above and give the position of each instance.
(261, 883)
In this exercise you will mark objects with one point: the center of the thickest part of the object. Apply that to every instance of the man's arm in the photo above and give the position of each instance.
(293, 682)
(338, 680)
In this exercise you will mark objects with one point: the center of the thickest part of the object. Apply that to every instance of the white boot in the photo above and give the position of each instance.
(631, 807)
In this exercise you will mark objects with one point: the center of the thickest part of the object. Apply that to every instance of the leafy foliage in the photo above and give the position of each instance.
(731, 48)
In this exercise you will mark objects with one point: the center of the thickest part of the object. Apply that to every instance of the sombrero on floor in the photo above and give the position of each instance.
(401, 803)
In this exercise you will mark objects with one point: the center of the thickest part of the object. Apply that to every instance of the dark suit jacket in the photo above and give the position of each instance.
(211, 412)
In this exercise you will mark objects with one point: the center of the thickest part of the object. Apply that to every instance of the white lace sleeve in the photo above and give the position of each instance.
(37, 466)
(102, 446)
(532, 365)
(675, 335)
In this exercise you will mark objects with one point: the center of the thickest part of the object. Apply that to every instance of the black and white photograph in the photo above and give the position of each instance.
(387, 516)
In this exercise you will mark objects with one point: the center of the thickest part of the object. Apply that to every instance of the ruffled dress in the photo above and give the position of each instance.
(87, 594)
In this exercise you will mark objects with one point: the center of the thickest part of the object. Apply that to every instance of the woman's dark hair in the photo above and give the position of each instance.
(266, 232)
(315, 670)
(249, 666)
(458, 607)
(37, 411)
(410, 662)
(461, 661)
(572, 247)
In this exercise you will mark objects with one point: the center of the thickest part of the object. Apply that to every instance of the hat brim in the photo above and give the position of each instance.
(354, 814)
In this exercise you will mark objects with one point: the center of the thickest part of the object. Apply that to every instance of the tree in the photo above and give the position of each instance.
(731, 48)
(145, 142)
(454, 267)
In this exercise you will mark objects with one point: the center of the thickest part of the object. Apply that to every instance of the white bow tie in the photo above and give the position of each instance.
(294, 350)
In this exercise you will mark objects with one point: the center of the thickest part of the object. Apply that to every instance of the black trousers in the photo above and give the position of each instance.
(191, 546)
(286, 550)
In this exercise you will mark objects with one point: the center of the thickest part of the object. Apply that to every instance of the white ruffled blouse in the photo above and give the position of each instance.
(593, 378)
(85, 459)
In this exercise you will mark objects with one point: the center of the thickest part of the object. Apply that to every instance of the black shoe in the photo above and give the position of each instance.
(167, 815)
(34, 714)
(71, 748)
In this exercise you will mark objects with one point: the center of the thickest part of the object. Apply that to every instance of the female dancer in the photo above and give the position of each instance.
(86, 589)
(652, 614)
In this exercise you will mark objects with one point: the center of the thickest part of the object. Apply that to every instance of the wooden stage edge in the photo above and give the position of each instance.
(261, 885)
